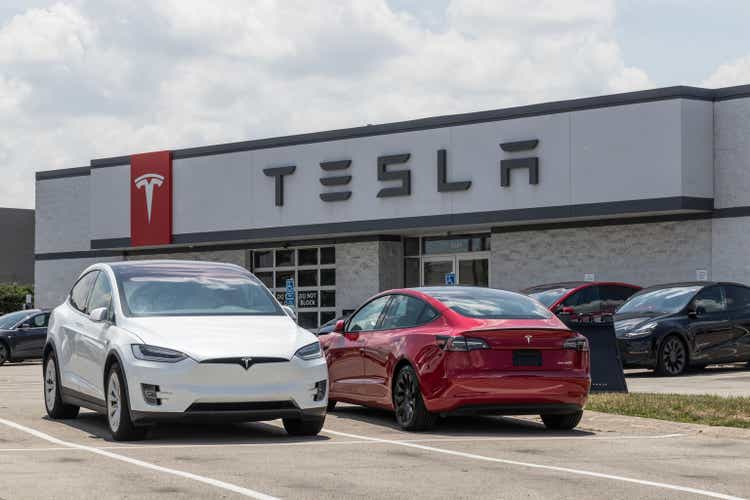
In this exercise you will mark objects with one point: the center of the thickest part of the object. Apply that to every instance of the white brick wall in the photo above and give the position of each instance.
(642, 254)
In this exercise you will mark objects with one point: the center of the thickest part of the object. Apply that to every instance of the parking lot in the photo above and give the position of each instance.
(361, 454)
(721, 380)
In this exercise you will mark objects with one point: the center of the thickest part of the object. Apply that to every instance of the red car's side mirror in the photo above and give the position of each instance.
(566, 310)
(339, 328)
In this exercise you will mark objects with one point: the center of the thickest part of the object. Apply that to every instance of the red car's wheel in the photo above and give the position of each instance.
(411, 413)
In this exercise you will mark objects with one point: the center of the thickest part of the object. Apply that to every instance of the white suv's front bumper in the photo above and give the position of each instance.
(264, 391)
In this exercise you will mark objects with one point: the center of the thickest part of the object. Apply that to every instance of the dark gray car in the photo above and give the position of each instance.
(22, 335)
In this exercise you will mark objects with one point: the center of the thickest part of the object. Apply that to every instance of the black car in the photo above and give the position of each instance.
(22, 335)
(671, 328)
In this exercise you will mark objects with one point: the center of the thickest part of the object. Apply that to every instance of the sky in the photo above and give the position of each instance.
(86, 79)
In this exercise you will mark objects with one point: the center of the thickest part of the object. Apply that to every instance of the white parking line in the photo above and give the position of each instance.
(146, 465)
(567, 470)
(357, 441)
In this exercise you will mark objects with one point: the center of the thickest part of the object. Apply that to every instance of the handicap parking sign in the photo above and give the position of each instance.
(450, 279)
(289, 295)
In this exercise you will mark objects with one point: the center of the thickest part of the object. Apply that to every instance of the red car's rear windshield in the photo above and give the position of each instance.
(486, 303)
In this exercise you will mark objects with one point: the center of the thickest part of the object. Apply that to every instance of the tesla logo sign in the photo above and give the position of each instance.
(247, 362)
(528, 338)
(147, 182)
(151, 198)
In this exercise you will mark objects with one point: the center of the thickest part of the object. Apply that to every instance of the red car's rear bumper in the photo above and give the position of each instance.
(518, 393)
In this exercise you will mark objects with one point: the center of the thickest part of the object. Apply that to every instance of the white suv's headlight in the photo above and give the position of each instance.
(310, 351)
(160, 354)
(642, 331)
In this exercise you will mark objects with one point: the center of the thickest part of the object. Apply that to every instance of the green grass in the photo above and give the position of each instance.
(694, 409)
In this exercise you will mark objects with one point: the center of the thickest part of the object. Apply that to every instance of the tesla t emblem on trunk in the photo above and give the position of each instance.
(247, 362)
(528, 338)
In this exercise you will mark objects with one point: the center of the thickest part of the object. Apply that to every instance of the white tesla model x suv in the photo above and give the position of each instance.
(151, 341)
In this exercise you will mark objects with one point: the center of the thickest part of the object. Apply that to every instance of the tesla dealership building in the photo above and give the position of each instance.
(645, 187)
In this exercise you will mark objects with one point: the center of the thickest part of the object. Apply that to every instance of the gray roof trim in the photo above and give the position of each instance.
(628, 98)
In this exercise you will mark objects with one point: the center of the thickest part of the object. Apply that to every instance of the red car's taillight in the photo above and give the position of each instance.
(578, 343)
(461, 344)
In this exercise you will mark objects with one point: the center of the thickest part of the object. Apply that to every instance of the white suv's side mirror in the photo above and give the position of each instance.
(290, 312)
(99, 314)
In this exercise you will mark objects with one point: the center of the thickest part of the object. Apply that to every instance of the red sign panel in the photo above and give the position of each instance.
(151, 199)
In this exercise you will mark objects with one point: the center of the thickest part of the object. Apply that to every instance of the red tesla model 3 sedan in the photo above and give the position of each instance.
(437, 351)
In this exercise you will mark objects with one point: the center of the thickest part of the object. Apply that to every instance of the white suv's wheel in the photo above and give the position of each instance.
(56, 408)
(118, 408)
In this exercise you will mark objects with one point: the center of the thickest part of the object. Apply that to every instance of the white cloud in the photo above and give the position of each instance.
(44, 35)
(100, 78)
(734, 73)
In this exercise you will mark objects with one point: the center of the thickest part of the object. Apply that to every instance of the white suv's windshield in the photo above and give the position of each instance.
(187, 290)
(659, 301)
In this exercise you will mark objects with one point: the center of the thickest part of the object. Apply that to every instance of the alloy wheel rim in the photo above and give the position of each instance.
(674, 356)
(3, 353)
(114, 408)
(405, 397)
(50, 384)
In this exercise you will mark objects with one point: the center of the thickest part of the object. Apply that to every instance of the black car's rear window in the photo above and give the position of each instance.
(486, 303)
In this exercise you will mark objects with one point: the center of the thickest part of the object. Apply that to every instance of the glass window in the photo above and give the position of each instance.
(282, 276)
(308, 320)
(411, 246)
(101, 295)
(262, 258)
(549, 297)
(307, 257)
(474, 272)
(80, 292)
(367, 317)
(327, 277)
(328, 255)
(326, 316)
(411, 272)
(613, 296)
(405, 311)
(7, 321)
(585, 301)
(307, 277)
(327, 298)
(658, 301)
(455, 244)
(487, 303)
(266, 277)
(284, 258)
(738, 297)
(435, 271)
(40, 320)
(178, 289)
(710, 300)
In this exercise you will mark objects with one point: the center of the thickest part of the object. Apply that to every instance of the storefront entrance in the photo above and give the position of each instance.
(470, 269)
(430, 258)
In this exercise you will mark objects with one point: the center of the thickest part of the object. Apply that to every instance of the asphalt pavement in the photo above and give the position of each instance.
(361, 454)
(722, 380)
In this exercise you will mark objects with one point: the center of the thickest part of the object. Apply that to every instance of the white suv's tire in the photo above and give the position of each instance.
(117, 406)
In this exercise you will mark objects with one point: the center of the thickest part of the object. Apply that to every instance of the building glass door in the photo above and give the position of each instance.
(471, 270)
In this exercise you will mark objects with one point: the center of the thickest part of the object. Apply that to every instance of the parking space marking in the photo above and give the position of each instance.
(140, 463)
(467, 439)
(580, 472)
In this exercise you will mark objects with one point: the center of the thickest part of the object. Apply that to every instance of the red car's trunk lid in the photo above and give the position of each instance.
(521, 338)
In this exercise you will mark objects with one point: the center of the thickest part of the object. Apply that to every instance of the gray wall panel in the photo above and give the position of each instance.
(732, 156)
(17, 256)
(62, 215)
